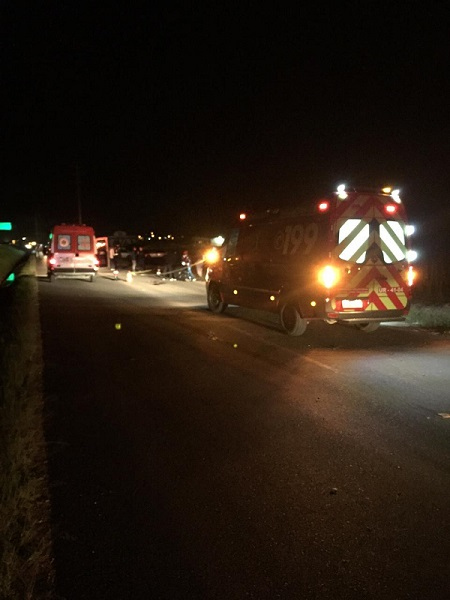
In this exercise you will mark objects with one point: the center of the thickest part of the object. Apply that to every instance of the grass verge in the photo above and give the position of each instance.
(26, 569)
(430, 317)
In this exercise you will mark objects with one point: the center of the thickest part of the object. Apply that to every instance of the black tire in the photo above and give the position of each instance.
(368, 327)
(215, 300)
(292, 321)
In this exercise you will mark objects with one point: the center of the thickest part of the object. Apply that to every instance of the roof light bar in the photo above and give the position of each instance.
(342, 194)
(395, 195)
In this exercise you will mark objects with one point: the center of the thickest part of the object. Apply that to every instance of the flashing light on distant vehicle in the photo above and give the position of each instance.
(323, 206)
(328, 276)
(242, 216)
(218, 241)
(387, 190)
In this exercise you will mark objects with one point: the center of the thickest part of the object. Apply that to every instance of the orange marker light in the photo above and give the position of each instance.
(411, 276)
(328, 276)
(212, 256)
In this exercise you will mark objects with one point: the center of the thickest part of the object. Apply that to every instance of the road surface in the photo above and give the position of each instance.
(201, 456)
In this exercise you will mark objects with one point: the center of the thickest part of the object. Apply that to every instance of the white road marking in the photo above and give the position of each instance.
(312, 360)
(320, 364)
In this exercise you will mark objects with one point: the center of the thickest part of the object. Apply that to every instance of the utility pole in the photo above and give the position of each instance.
(80, 220)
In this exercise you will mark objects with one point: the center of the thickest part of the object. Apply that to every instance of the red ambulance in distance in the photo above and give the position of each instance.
(72, 252)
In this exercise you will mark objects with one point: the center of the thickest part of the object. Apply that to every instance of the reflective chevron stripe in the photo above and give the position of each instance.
(373, 246)
(385, 278)
(353, 240)
(392, 237)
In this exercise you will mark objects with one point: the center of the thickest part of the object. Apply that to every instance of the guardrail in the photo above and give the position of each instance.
(11, 258)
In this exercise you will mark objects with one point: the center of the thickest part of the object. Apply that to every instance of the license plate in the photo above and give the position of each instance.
(352, 303)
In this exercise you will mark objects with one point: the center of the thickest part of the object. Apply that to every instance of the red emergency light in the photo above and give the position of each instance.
(390, 209)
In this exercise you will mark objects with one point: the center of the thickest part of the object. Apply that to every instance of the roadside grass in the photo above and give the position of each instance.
(26, 567)
(436, 317)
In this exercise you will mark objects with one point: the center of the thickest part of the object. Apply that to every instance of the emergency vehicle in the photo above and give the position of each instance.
(343, 259)
(72, 252)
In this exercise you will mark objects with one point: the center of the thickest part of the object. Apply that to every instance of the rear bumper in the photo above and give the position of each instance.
(369, 316)
(79, 272)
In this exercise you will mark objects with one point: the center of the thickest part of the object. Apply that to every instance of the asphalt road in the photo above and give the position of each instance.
(201, 456)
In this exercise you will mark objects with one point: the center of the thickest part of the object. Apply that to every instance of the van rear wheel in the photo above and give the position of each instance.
(215, 301)
(292, 321)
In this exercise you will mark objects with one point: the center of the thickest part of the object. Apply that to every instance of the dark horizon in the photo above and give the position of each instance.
(179, 118)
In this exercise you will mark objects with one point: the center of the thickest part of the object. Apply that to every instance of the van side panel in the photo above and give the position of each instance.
(275, 259)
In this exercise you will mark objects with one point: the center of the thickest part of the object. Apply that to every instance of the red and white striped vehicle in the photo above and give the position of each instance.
(343, 258)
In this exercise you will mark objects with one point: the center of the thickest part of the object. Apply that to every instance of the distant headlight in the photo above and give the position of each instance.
(411, 255)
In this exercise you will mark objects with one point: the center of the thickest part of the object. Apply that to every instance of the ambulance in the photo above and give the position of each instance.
(72, 252)
(341, 259)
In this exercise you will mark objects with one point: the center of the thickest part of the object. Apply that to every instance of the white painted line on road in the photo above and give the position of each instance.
(320, 364)
(312, 360)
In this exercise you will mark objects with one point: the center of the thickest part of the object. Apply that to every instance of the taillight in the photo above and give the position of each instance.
(329, 276)
(323, 206)
(52, 260)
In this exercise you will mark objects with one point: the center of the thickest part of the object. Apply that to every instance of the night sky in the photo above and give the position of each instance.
(176, 118)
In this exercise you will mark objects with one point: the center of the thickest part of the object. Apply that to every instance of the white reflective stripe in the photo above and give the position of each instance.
(392, 235)
(355, 250)
(397, 230)
(347, 228)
